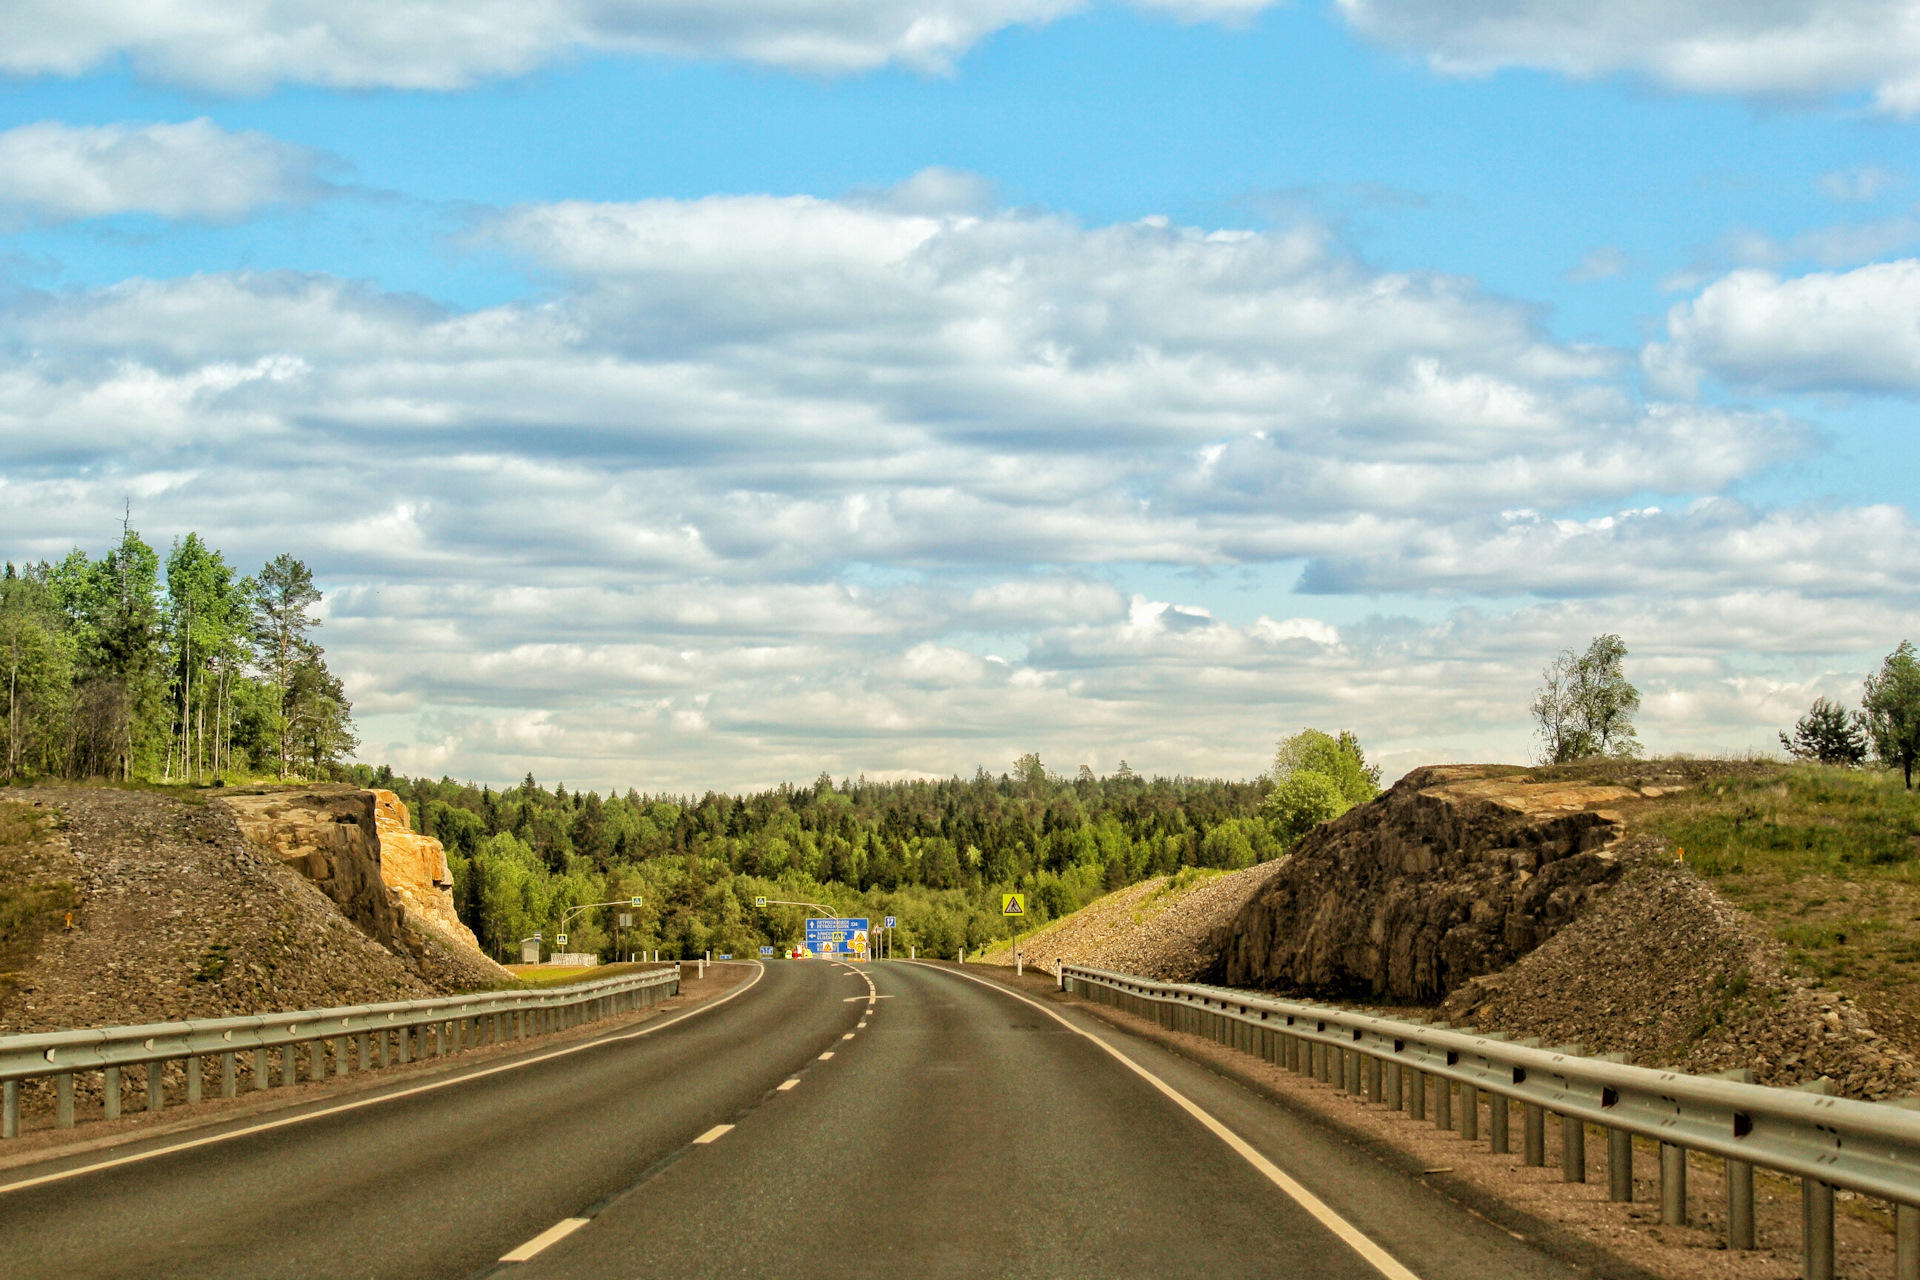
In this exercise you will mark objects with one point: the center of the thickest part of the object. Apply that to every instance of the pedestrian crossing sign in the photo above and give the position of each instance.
(1013, 904)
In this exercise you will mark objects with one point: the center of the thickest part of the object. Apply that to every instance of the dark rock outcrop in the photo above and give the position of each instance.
(1457, 871)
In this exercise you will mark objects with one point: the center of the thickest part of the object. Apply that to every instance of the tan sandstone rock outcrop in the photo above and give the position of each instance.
(415, 868)
(357, 846)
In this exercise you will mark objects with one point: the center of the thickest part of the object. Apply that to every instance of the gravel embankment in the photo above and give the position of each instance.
(1663, 969)
(181, 918)
(1146, 929)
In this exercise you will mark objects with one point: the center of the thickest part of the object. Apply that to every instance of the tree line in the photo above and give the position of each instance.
(133, 667)
(935, 853)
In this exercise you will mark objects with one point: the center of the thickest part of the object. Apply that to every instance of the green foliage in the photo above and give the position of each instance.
(127, 668)
(1302, 800)
(1317, 777)
(1828, 734)
(1892, 708)
(1585, 704)
(936, 854)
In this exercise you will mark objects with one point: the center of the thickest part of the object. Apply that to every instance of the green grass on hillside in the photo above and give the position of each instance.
(31, 902)
(1827, 861)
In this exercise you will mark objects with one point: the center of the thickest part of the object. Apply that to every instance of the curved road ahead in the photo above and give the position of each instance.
(956, 1130)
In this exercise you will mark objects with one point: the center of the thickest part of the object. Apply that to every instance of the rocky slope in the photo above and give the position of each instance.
(358, 847)
(1455, 872)
(180, 916)
(1667, 972)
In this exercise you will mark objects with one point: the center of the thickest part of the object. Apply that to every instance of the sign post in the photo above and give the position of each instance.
(1014, 906)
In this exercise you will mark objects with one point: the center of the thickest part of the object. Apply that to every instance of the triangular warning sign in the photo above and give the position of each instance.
(1013, 904)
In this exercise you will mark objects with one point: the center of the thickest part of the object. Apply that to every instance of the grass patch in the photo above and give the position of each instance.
(1825, 860)
(31, 903)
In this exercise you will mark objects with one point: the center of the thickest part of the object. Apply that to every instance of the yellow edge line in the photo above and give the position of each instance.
(1352, 1236)
(355, 1105)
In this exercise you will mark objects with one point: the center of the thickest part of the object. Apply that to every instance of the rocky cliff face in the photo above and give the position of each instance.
(415, 868)
(1455, 872)
(358, 849)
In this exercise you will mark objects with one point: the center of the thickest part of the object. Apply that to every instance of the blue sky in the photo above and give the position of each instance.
(680, 395)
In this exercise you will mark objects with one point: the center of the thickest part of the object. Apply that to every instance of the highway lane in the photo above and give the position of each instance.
(953, 1131)
(964, 1133)
(437, 1184)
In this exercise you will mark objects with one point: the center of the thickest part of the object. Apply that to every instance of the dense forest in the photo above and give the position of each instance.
(936, 854)
(135, 668)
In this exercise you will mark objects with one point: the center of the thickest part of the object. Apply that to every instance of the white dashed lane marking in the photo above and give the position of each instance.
(718, 1131)
(552, 1235)
(826, 1055)
(788, 1084)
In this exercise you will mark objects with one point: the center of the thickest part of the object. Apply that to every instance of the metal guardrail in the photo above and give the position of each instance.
(382, 1034)
(1826, 1142)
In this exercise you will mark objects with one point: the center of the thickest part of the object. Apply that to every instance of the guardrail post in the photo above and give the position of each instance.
(289, 1065)
(401, 1035)
(156, 1086)
(317, 1059)
(1816, 1229)
(1620, 1167)
(110, 1092)
(193, 1079)
(1740, 1206)
(1497, 1124)
(361, 1045)
(1350, 1064)
(1442, 1103)
(1416, 1094)
(1673, 1185)
(229, 1076)
(1395, 1091)
(1376, 1087)
(1533, 1120)
(1469, 1113)
(1573, 1149)
(342, 1054)
(63, 1100)
(260, 1080)
(1906, 1242)
(10, 1109)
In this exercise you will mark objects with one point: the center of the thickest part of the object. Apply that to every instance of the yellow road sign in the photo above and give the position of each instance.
(1013, 904)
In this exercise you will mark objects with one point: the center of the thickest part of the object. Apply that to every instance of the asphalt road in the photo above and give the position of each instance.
(954, 1131)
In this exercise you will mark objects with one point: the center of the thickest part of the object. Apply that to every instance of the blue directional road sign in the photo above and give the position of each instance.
(766, 951)
(837, 937)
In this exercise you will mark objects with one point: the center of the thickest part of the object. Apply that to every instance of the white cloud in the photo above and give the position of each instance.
(1603, 263)
(1785, 48)
(1828, 331)
(52, 172)
(1858, 185)
(768, 485)
(444, 44)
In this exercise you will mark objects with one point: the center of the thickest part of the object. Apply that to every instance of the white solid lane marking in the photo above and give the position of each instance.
(282, 1123)
(826, 1055)
(553, 1234)
(718, 1131)
(1382, 1261)
(788, 1084)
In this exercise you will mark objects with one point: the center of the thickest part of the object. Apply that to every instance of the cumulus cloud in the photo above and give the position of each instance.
(1827, 331)
(1790, 48)
(52, 172)
(763, 485)
(444, 44)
